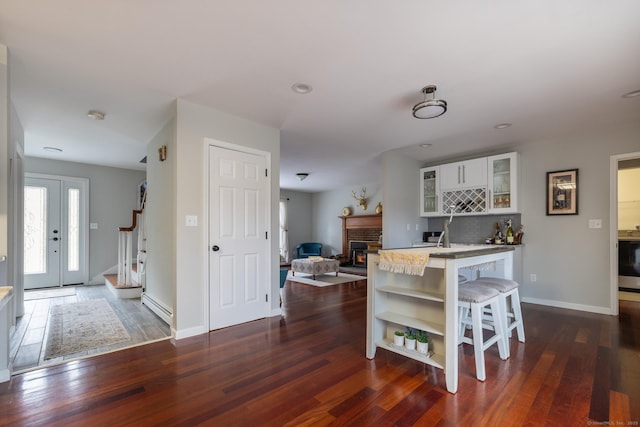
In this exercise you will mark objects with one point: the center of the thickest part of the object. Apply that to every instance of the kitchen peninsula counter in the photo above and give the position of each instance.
(427, 302)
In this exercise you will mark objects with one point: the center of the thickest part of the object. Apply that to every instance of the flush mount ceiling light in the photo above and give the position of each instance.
(502, 126)
(302, 176)
(425, 145)
(632, 94)
(301, 88)
(53, 149)
(429, 109)
(96, 115)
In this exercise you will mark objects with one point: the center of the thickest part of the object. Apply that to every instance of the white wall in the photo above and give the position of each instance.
(4, 164)
(160, 220)
(327, 207)
(571, 260)
(194, 122)
(401, 221)
(112, 198)
(299, 215)
(15, 263)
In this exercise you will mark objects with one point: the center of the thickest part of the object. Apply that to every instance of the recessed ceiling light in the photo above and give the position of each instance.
(301, 88)
(502, 126)
(632, 94)
(425, 145)
(96, 115)
(53, 149)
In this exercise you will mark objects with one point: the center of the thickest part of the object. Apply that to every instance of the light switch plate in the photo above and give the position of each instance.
(595, 223)
(191, 220)
(93, 226)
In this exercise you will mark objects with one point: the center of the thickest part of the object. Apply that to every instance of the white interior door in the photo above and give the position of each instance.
(55, 232)
(238, 244)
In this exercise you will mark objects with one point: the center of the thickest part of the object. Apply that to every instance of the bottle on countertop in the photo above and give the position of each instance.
(498, 236)
(519, 235)
(510, 234)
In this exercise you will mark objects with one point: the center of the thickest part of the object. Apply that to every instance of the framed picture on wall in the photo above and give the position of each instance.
(562, 192)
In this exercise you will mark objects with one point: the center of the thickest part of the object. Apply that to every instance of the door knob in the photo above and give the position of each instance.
(215, 248)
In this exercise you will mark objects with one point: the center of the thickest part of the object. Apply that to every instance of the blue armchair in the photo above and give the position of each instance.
(305, 250)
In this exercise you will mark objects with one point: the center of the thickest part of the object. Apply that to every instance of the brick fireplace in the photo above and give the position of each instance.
(359, 229)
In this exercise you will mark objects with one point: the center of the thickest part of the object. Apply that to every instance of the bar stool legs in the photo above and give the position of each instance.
(474, 298)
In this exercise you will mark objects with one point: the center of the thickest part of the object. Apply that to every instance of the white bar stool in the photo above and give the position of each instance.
(474, 297)
(508, 290)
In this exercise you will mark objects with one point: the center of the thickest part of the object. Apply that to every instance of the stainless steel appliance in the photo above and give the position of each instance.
(629, 260)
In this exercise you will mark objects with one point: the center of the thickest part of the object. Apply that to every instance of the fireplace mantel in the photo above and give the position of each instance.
(358, 222)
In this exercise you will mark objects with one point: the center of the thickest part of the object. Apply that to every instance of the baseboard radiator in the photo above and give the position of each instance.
(158, 308)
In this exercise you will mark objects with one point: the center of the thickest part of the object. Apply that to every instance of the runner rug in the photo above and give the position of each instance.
(83, 326)
(324, 279)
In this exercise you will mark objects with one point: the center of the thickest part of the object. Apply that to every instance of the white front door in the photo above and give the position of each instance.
(238, 244)
(55, 225)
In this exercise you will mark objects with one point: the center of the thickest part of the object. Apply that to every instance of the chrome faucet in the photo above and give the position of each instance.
(445, 230)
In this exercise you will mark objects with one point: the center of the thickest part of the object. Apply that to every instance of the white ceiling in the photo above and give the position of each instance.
(546, 66)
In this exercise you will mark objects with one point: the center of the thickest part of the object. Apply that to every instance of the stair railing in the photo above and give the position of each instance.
(125, 249)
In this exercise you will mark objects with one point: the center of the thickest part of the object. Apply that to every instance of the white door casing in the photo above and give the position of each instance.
(238, 242)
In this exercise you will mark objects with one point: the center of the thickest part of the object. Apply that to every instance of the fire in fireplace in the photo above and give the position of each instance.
(358, 253)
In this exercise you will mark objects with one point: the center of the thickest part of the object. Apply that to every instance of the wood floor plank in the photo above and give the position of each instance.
(308, 368)
(619, 412)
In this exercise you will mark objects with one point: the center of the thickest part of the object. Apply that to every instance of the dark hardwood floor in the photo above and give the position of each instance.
(308, 368)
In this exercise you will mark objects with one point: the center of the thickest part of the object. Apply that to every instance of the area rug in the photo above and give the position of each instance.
(324, 279)
(83, 326)
(49, 293)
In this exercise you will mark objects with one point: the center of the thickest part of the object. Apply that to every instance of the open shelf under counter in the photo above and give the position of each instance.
(412, 322)
(429, 296)
(432, 359)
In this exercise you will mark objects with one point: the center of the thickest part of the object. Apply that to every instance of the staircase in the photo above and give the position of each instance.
(130, 280)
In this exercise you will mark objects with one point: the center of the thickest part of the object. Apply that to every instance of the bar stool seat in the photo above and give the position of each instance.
(474, 297)
(510, 300)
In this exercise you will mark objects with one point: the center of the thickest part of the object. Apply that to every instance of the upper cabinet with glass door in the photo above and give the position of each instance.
(429, 191)
(503, 183)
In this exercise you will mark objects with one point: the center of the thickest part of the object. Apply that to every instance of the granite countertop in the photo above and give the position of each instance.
(459, 251)
(456, 252)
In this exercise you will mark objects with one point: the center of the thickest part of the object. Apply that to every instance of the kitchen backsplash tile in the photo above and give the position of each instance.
(474, 229)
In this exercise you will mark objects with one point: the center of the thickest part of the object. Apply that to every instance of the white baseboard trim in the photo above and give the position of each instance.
(158, 308)
(189, 332)
(568, 305)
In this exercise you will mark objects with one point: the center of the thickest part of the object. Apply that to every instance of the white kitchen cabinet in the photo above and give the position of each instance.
(467, 174)
(503, 183)
(430, 191)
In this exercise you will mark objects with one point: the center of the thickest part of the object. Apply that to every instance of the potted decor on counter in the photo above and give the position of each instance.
(422, 342)
(410, 339)
(398, 338)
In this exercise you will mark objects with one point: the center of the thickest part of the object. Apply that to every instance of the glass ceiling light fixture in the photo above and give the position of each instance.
(302, 176)
(96, 115)
(301, 88)
(429, 108)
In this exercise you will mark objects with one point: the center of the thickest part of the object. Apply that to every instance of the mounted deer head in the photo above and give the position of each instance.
(362, 199)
